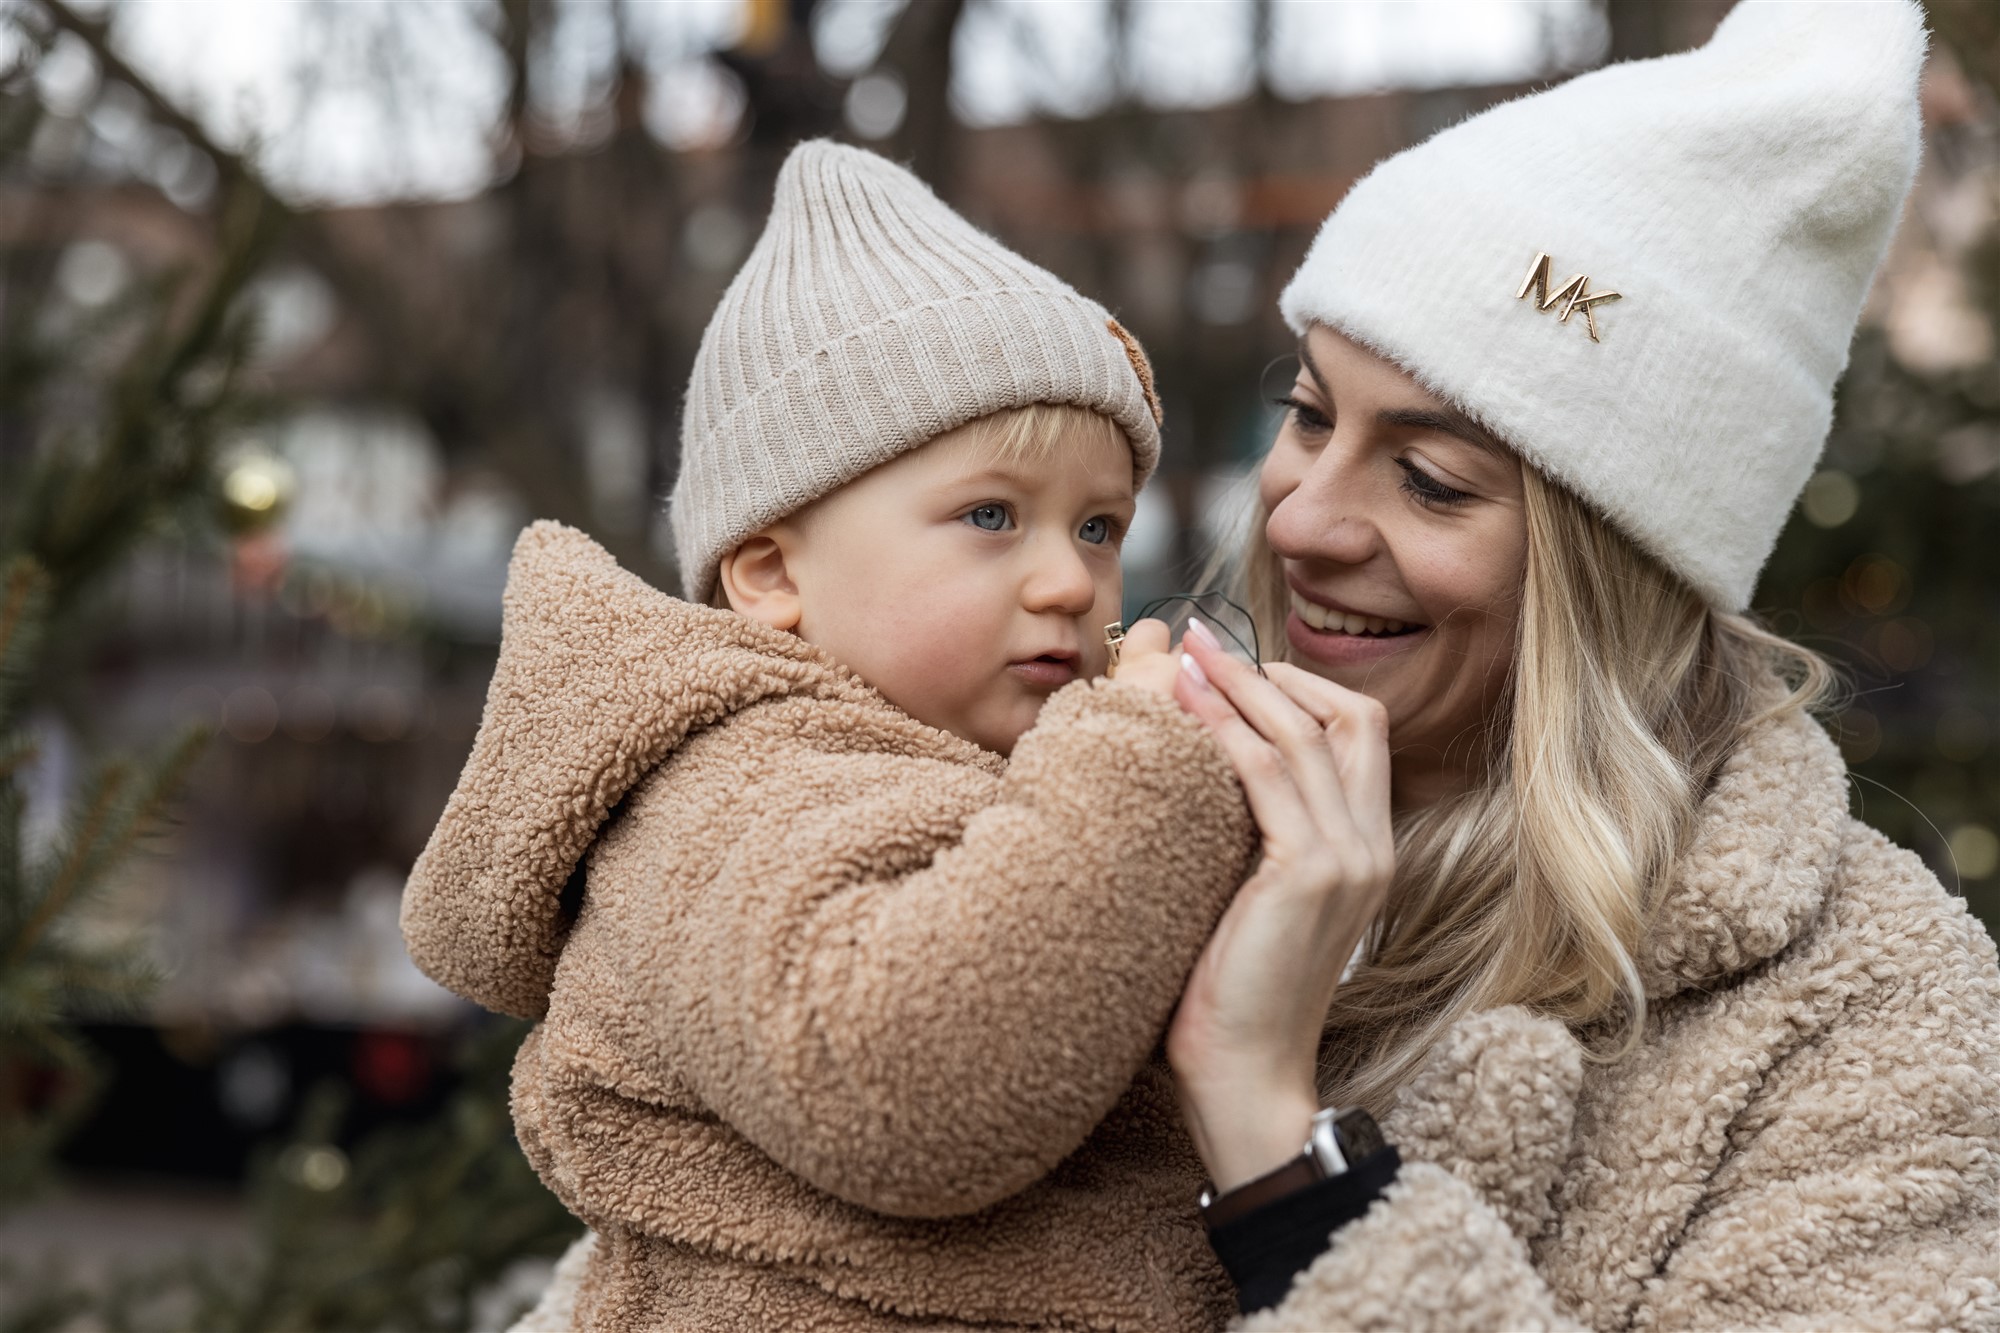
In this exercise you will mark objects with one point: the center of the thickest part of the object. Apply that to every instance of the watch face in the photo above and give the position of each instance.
(1359, 1135)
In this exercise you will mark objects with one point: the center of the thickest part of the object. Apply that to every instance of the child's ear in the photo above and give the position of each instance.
(755, 579)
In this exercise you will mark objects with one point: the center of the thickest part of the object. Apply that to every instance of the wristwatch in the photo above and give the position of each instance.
(1340, 1140)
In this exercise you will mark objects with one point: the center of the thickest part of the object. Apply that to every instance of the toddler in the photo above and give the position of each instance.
(852, 901)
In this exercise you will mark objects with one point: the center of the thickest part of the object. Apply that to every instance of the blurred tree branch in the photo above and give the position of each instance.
(1638, 29)
(444, 368)
(573, 291)
(919, 49)
(117, 417)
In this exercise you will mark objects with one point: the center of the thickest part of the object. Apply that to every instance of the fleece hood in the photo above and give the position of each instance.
(601, 676)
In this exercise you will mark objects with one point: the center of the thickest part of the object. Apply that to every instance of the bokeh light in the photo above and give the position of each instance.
(1830, 498)
(1976, 849)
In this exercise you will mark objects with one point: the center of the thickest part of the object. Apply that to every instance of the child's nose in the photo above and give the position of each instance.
(1059, 581)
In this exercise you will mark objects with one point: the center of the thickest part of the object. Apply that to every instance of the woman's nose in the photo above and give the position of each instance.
(1325, 517)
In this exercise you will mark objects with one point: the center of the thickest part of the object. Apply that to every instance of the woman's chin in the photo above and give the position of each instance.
(1338, 650)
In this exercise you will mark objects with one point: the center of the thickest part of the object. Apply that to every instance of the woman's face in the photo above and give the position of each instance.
(1400, 527)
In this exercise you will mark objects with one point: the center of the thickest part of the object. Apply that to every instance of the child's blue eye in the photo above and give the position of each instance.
(990, 518)
(1096, 531)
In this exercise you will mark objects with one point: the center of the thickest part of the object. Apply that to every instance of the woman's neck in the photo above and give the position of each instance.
(1418, 781)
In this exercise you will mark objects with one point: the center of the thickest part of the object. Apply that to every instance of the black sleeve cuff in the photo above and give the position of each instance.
(1266, 1248)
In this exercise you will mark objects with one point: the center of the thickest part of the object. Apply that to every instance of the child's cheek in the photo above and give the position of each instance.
(943, 653)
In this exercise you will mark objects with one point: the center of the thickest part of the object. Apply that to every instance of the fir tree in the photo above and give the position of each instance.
(108, 425)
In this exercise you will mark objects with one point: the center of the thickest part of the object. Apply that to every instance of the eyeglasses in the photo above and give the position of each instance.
(1114, 633)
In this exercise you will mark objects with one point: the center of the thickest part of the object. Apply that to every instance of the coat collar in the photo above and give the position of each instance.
(1761, 864)
(600, 678)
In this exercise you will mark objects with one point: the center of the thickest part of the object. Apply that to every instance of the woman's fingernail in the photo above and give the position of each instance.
(1195, 673)
(1203, 633)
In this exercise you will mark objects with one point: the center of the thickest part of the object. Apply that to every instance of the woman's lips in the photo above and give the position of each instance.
(1336, 647)
(1045, 673)
(1326, 618)
(1347, 639)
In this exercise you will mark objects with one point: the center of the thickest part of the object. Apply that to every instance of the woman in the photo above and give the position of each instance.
(1559, 880)
(1657, 1032)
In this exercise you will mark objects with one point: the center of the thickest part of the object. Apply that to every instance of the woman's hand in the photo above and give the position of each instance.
(1244, 1045)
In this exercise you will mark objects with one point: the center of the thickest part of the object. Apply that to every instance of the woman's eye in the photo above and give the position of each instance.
(990, 518)
(1096, 531)
(1305, 415)
(1428, 489)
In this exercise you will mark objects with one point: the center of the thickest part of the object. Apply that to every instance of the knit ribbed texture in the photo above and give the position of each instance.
(1739, 198)
(870, 319)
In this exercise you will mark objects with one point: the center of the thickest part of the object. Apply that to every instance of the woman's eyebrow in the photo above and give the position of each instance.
(1312, 368)
(1443, 418)
(1445, 421)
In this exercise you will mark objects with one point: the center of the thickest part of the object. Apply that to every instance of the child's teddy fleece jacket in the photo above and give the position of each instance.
(846, 1022)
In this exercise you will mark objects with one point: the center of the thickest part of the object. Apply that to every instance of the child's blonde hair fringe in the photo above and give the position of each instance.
(1032, 435)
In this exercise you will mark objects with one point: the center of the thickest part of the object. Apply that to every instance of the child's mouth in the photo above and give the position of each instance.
(1050, 671)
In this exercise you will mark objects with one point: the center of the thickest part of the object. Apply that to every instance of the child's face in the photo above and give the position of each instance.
(967, 588)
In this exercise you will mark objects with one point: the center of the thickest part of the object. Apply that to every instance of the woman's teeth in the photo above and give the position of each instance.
(1338, 622)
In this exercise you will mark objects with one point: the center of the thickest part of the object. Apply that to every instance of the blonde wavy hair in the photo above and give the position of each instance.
(1534, 887)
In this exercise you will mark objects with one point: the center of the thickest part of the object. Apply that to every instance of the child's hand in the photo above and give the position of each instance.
(1147, 658)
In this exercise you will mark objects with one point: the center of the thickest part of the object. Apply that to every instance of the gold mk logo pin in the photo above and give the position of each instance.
(1573, 295)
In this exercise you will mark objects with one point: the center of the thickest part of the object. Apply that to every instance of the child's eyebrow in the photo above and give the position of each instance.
(991, 472)
(1001, 474)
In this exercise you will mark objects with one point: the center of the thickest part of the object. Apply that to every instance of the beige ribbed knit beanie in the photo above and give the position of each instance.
(870, 319)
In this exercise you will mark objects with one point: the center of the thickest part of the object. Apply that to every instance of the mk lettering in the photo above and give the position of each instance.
(1573, 296)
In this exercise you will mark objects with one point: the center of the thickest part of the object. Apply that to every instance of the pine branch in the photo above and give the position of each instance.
(121, 805)
(152, 454)
(24, 603)
(108, 983)
(13, 880)
(73, 865)
(16, 755)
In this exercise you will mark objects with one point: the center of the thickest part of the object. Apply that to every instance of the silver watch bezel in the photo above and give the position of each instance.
(1322, 1148)
(1323, 1144)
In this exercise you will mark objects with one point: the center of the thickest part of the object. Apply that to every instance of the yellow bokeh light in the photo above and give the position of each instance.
(256, 487)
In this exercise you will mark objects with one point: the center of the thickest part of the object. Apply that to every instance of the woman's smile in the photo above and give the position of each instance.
(1340, 636)
(1336, 619)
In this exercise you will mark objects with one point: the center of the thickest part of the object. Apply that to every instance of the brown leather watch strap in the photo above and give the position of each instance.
(1296, 1174)
(1340, 1141)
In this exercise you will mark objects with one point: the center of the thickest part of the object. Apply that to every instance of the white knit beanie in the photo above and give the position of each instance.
(1736, 198)
(869, 319)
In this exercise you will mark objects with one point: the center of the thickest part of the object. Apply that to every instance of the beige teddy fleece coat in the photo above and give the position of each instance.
(1807, 1138)
(850, 1024)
